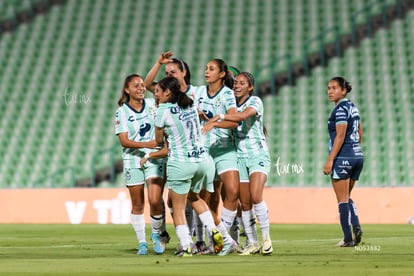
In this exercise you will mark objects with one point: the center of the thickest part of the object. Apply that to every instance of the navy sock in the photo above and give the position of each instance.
(344, 217)
(354, 214)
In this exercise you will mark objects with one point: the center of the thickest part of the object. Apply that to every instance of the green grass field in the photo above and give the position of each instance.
(110, 250)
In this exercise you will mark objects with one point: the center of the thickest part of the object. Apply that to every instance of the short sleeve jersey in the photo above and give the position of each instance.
(250, 138)
(345, 112)
(140, 128)
(191, 90)
(220, 103)
(183, 131)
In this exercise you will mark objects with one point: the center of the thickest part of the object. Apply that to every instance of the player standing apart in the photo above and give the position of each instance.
(345, 160)
(134, 125)
(253, 160)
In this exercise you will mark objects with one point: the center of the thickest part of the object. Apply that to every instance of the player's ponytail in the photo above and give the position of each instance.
(228, 79)
(178, 97)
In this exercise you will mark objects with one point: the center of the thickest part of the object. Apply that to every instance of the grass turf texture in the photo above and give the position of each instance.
(111, 250)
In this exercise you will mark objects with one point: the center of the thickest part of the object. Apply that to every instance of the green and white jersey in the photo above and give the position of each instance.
(211, 106)
(183, 131)
(140, 128)
(191, 90)
(250, 138)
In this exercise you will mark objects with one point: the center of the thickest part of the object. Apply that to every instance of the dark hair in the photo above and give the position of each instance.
(228, 78)
(249, 76)
(125, 96)
(177, 96)
(183, 65)
(343, 83)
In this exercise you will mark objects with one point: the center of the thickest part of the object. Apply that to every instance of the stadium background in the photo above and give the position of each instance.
(63, 63)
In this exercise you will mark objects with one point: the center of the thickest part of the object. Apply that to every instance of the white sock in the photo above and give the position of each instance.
(226, 236)
(207, 220)
(249, 222)
(157, 223)
(183, 235)
(261, 212)
(198, 228)
(138, 223)
(240, 221)
(227, 217)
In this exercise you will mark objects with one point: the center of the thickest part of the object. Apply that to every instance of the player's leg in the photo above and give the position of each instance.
(357, 166)
(137, 216)
(341, 188)
(155, 192)
(258, 180)
(249, 220)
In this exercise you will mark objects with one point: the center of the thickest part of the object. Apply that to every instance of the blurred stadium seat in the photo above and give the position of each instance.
(61, 75)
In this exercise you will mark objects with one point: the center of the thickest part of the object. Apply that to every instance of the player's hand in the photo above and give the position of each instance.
(165, 57)
(207, 127)
(327, 168)
(202, 116)
(142, 162)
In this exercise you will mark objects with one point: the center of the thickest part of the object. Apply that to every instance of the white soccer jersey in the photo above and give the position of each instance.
(183, 131)
(211, 106)
(191, 90)
(140, 128)
(250, 138)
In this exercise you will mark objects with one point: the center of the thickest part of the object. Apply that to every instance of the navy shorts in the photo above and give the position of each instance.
(347, 167)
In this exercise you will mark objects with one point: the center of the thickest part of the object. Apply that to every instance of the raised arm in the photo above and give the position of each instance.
(150, 77)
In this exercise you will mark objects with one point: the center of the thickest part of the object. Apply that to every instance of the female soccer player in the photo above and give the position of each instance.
(177, 122)
(134, 125)
(174, 67)
(345, 160)
(212, 99)
(178, 69)
(253, 161)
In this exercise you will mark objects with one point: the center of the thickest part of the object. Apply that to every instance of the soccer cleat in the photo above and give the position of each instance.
(200, 248)
(342, 243)
(357, 235)
(250, 249)
(267, 247)
(165, 238)
(184, 252)
(156, 239)
(142, 248)
(218, 241)
(228, 248)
